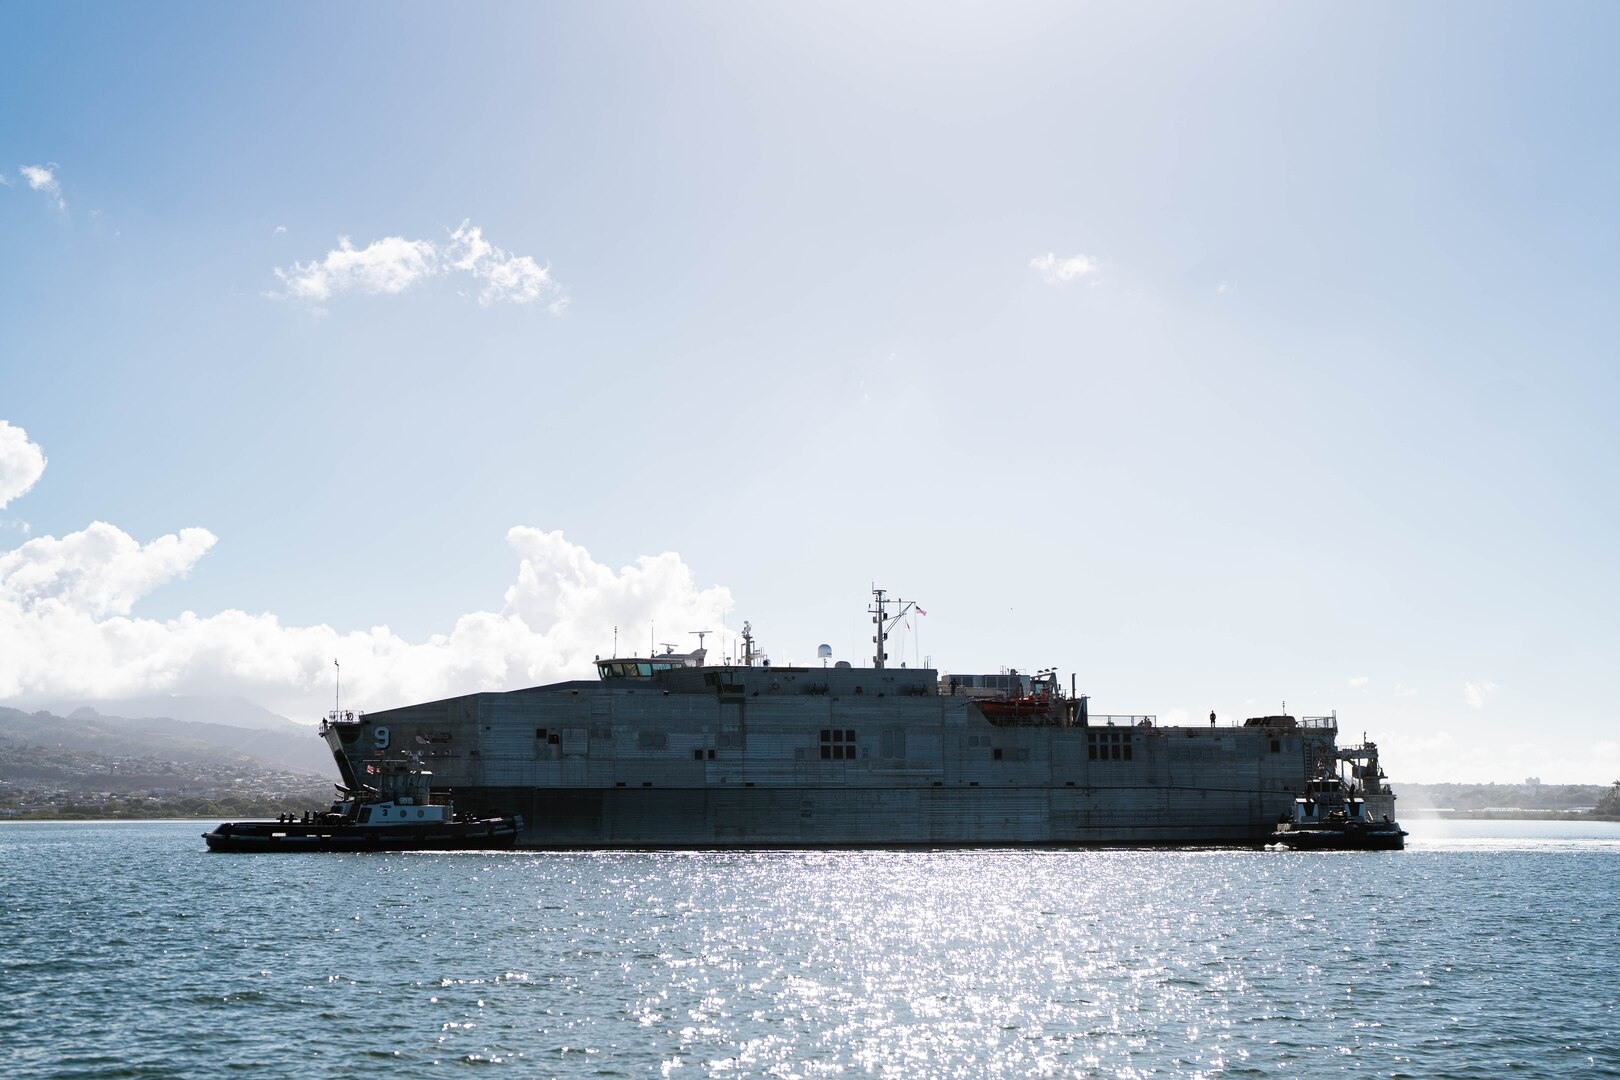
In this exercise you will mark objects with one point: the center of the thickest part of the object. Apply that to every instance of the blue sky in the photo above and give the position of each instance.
(1225, 354)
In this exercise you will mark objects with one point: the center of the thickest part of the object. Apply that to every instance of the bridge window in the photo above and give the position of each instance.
(632, 669)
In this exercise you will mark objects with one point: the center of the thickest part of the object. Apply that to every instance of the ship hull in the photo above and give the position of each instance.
(783, 757)
(269, 836)
(870, 817)
(1370, 838)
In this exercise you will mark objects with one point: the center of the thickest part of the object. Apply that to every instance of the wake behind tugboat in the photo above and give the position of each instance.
(402, 814)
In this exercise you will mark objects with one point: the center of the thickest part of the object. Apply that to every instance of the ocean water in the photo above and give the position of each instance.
(1486, 948)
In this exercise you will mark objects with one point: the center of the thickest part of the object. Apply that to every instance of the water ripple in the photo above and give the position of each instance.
(128, 951)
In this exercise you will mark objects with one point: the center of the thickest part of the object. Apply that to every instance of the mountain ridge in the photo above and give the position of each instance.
(294, 748)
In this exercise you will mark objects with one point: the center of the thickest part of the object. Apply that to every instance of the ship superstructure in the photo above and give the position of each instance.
(667, 751)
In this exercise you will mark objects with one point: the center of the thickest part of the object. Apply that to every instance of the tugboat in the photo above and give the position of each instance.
(1331, 816)
(402, 813)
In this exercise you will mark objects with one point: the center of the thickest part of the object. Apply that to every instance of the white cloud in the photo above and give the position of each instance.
(1357, 681)
(1058, 271)
(517, 279)
(43, 178)
(66, 633)
(390, 265)
(1404, 691)
(67, 629)
(393, 264)
(98, 571)
(1476, 693)
(21, 463)
(279, 230)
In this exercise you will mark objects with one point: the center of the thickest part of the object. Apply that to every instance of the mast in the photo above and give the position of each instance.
(879, 616)
(884, 621)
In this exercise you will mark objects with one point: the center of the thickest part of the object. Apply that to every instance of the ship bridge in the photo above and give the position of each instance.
(645, 667)
(635, 667)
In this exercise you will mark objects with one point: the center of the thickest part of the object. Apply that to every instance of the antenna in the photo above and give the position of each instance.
(337, 693)
(700, 634)
(885, 622)
(878, 615)
(825, 652)
(615, 640)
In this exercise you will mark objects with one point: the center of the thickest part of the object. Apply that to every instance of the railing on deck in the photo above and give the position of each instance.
(1118, 720)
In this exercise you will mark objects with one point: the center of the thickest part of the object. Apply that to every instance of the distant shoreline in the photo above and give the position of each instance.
(18, 819)
(1504, 815)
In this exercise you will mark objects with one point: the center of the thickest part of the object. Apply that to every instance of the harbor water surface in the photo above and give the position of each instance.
(1485, 948)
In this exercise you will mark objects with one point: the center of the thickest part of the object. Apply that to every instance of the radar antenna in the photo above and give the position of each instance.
(699, 654)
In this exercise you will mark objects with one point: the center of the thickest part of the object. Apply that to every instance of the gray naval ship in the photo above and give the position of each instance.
(667, 751)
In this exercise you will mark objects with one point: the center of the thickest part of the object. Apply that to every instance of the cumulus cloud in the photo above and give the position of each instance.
(1357, 681)
(1476, 693)
(515, 279)
(68, 628)
(390, 265)
(98, 571)
(394, 264)
(21, 463)
(43, 178)
(66, 631)
(1060, 271)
